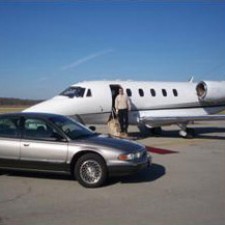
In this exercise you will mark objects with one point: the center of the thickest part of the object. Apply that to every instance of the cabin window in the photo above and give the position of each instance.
(153, 93)
(89, 94)
(73, 92)
(175, 93)
(164, 92)
(129, 92)
(141, 92)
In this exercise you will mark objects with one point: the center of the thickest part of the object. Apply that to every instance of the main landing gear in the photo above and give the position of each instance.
(147, 131)
(186, 132)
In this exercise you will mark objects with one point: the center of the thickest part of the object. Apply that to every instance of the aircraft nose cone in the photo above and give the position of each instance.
(55, 105)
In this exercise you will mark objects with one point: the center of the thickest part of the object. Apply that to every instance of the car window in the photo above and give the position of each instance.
(71, 128)
(9, 127)
(38, 129)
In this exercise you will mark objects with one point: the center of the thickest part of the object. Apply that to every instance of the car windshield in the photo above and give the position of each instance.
(71, 128)
(73, 92)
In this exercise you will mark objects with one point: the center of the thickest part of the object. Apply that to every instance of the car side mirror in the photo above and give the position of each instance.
(93, 128)
(58, 137)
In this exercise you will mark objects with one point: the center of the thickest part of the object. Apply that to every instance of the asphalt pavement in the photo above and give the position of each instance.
(184, 186)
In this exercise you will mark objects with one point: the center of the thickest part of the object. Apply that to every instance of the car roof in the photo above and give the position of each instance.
(35, 114)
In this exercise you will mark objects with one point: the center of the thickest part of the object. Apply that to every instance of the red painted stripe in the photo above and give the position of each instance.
(160, 150)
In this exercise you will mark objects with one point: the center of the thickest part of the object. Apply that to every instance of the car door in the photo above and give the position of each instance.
(40, 149)
(9, 141)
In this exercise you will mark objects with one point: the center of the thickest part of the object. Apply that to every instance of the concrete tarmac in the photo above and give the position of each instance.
(184, 186)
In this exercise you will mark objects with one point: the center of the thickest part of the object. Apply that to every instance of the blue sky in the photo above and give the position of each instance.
(44, 47)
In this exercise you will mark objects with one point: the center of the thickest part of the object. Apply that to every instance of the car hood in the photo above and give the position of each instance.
(110, 142)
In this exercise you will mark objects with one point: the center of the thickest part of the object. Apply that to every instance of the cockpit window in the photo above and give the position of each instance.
(89, 94)
(73, 92)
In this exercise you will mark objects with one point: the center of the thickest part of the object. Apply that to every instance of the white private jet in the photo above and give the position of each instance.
(153, 104)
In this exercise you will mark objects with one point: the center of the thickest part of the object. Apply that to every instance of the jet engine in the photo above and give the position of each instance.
(211, 91)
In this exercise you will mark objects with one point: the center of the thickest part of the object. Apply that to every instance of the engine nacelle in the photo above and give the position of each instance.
(211, 91)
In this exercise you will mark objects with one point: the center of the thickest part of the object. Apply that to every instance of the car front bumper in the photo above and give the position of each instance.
(127, 168)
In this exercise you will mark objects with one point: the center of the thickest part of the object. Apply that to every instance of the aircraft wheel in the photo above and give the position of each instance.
(187, 133)
(146, 131)
(191, 132)
(156, 131)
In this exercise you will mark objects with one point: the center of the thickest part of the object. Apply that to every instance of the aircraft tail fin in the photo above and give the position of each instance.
(191, 79)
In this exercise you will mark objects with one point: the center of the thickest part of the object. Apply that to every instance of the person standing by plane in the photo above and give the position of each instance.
(122, 105)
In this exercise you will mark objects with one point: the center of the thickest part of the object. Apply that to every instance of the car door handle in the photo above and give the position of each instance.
(26, 145)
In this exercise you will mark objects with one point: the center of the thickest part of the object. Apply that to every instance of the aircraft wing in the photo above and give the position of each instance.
(166, 120)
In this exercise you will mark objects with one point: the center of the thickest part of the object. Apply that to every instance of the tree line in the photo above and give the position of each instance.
(18, 102)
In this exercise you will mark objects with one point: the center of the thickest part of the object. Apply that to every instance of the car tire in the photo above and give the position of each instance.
(90, 170)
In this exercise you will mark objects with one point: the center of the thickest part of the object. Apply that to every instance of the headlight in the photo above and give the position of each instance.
(130, 156)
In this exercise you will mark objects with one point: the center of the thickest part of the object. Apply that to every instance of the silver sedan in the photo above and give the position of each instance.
(48, 142)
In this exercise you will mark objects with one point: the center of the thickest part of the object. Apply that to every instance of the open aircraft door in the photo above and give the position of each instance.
(98, 104)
